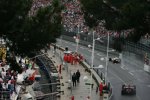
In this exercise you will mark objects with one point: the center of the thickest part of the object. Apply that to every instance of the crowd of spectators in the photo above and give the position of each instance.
(9, 78)
(7, 81)
(73, 18)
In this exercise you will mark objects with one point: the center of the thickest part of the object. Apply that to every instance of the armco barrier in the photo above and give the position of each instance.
(95, 76)
(98, 47)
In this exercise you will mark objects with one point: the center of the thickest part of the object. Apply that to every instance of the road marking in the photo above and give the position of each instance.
(138, 97)
(123, 68)
(100, 55)
(131, 73)
(118, 78)
(82, 47)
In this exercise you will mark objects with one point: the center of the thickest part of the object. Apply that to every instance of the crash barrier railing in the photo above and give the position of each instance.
(44, 65)
(98, 46)
(98, 78)
(89, 38)
(137, 48)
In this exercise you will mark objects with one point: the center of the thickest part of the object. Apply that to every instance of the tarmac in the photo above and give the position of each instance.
(81, 91)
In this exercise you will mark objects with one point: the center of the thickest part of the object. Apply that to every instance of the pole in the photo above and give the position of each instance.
(93, 46)
(106, 68)
(77, 39)
(60, 44)
(77, 46)
(70, 83)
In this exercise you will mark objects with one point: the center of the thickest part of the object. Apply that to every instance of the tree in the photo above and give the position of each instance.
(13, 14)
(92, 12)
(30, 33)
(120, 15)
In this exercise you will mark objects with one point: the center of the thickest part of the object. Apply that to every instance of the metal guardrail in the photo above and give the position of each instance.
(98, 46)
(96, 76)
(137, 48)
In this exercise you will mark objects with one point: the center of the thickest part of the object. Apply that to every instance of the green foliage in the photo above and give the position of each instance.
(30, 34)
(92, 11)
(118, 44)
(119, 15)
(117, 3)
(12, 14)
(14, 65)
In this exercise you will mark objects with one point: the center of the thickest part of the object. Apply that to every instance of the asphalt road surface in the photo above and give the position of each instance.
(130, 72)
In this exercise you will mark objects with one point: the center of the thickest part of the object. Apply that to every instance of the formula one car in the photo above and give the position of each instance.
(128, 90)
(115, 60)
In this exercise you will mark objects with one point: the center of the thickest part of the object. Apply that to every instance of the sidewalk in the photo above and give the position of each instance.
(81, 91)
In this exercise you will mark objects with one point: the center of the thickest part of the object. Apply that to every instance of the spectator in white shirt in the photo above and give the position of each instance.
(3, 73)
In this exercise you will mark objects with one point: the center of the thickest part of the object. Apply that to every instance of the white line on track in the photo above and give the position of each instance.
(138, 97)
(131, 73)
(123, 68)
(82, 48)
(100, 55)
(118, 78)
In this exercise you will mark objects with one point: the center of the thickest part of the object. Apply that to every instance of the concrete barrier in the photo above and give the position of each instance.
(96, 77)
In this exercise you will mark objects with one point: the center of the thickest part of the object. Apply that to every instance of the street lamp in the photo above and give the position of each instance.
(77, 42)
(93, 47)
(106, 68)
(88, 81)
(77, 39)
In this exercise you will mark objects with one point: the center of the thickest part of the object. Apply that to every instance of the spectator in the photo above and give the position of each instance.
(1, 80)
(74, 78)
(3, 73)
(78, 76)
